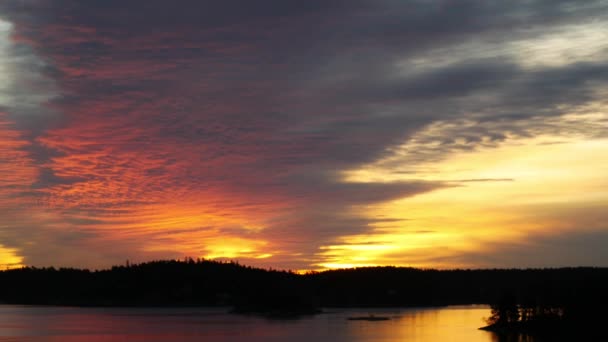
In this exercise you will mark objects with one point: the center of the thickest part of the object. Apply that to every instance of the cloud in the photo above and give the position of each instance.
(170, 125)
(17, 170)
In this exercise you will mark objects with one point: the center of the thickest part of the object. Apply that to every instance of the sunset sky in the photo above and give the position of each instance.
(304, 134)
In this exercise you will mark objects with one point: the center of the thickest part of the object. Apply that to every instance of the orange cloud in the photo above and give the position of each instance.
(17, 170)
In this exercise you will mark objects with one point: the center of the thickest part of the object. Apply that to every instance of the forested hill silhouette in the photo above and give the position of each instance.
(248, 289)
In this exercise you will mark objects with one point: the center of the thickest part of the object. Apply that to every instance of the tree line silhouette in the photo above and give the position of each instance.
(570, 295)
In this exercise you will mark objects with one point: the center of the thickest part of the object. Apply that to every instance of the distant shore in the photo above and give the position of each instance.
(249, 290)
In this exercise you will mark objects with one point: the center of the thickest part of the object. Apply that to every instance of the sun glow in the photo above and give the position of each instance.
(233, 248)
(504, 194)
(9, 258)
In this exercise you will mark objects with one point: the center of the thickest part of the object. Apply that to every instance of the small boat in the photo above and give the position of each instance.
(368, 318)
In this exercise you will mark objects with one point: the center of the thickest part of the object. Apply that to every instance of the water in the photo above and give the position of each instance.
(32, 323)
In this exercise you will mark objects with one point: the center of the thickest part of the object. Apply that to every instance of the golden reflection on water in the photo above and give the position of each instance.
(452, 324)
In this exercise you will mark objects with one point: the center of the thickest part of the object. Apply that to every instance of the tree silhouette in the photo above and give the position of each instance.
(505, 312)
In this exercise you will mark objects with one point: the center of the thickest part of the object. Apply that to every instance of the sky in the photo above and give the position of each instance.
(304, 135)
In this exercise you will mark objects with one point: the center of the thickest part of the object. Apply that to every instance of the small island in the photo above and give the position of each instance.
(565, 317)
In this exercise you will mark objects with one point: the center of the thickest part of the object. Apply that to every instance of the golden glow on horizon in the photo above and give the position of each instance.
(338, 265)
(231, 248)
(497, 195)
(9, 258)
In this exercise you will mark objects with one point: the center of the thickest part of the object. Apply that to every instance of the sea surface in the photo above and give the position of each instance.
(66, 324)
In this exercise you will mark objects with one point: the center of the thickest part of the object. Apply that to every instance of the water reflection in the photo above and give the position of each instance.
(527, 338)
(455, 324)
(512, 338)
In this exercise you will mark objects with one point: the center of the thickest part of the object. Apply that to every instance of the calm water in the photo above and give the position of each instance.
(31, 323)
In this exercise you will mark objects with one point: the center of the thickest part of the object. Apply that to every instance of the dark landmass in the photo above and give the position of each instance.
(563, 316)
(568, 296)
